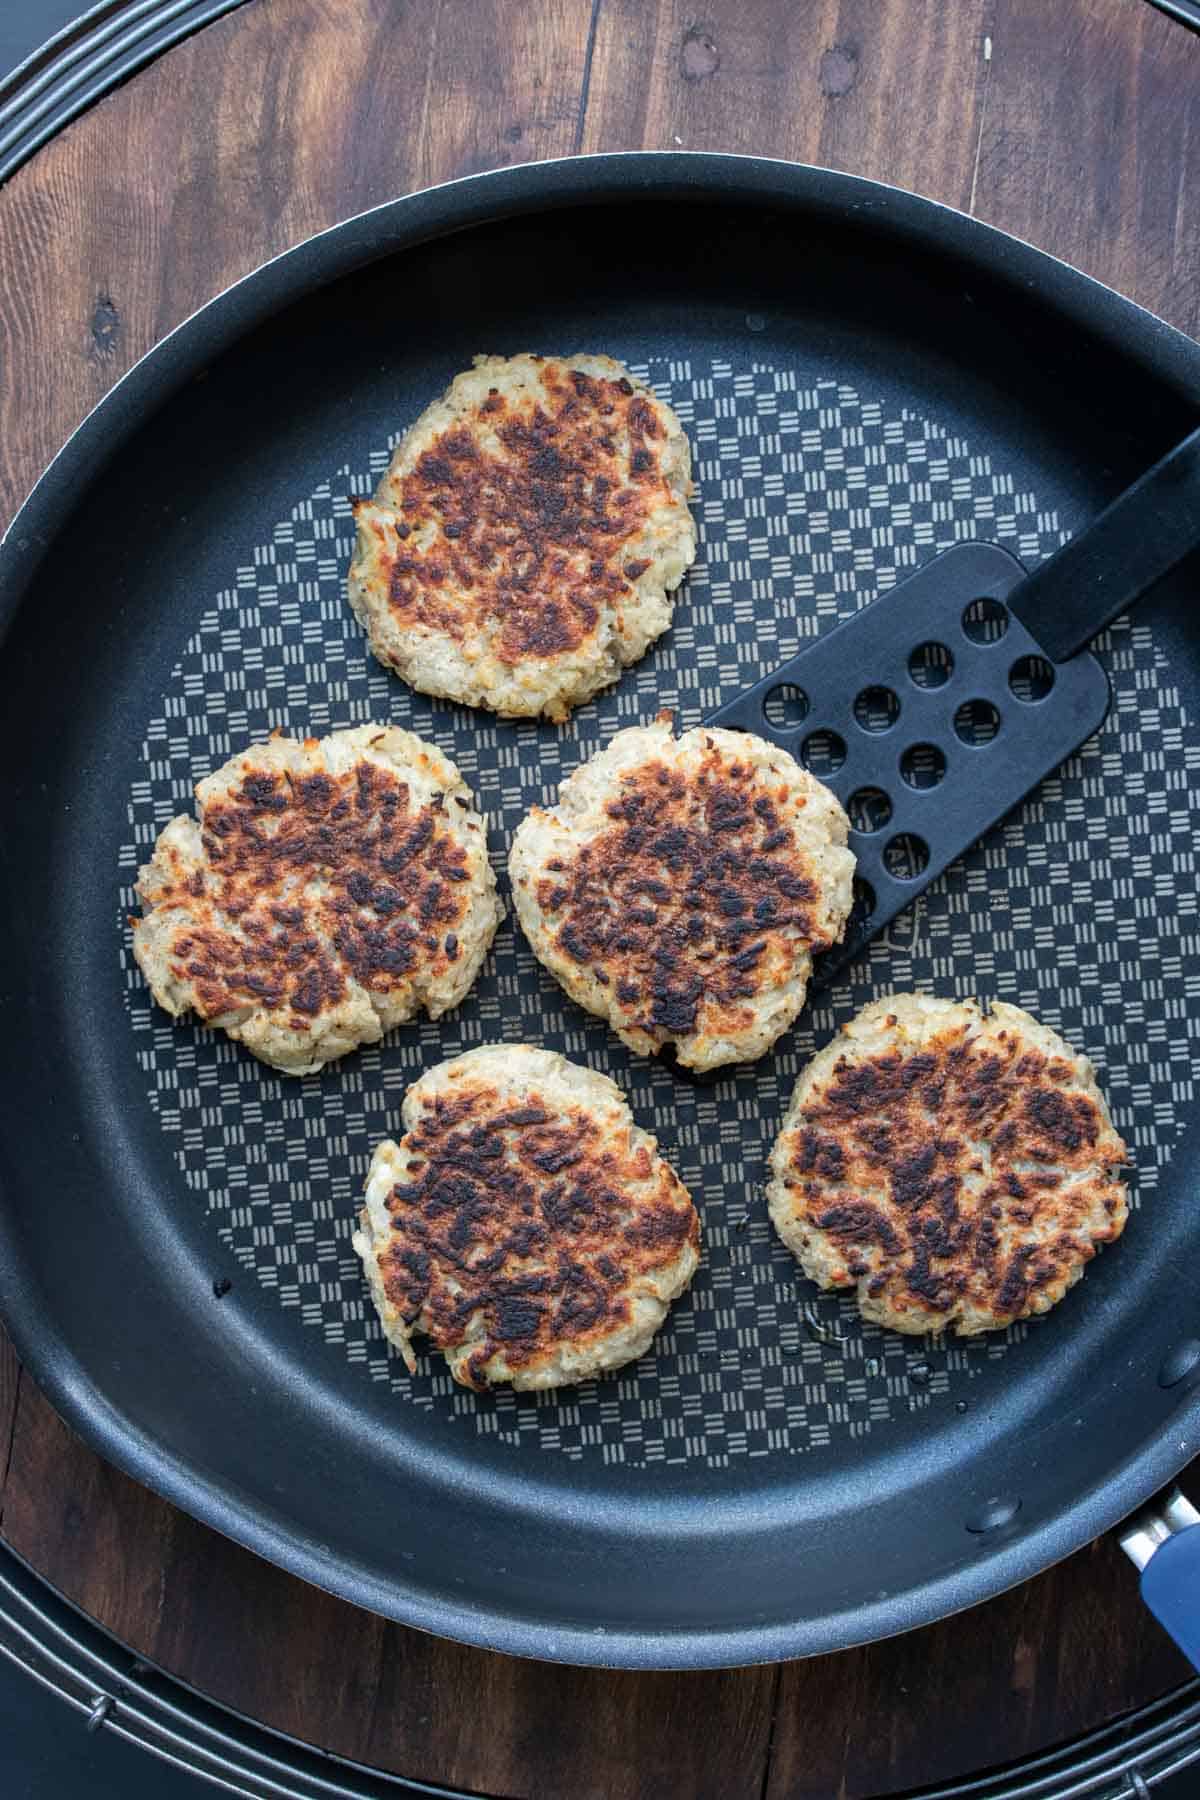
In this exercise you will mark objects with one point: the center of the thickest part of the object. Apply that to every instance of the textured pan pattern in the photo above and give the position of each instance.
(524, 1223)
(745, 1366)
(958, 1170)
(522, 546)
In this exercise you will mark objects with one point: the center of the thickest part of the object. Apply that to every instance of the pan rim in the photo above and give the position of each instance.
(390, 228)
(510, 181)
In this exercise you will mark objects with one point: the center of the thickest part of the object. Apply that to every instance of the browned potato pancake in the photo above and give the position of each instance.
(679, 887)
(524, 1223)
(327, 891)
(523, 545)
(956, 1168)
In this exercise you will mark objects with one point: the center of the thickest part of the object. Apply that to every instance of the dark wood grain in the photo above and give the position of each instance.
(1090, 145)
(10, 1384)
(887, 91)
(1053, 1658)
(1074, 125)
(284, 1652)
(275, 122)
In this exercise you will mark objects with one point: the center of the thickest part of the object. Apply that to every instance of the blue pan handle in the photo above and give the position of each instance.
(1164, 1544)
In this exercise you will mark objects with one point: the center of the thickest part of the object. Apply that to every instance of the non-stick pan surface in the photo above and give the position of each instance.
(865, 378)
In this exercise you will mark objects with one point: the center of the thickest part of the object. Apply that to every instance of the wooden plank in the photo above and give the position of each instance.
(1091, 151)
(1053, 1658)
(154, 201)
(10, 1383)
(298, 1659)
(892, 92)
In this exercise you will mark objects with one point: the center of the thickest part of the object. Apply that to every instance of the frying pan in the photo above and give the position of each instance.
(866, 378)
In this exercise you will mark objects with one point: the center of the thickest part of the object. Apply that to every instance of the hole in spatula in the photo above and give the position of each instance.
(786, 707)
(1031, 678)
(876, 709)
(906, 856)
(869, 809)
(985, 621)
(976, 722)
(822, 753)
(931, 665)
(922, 766)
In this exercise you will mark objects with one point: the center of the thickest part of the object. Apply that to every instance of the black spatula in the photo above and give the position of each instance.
(945, 701)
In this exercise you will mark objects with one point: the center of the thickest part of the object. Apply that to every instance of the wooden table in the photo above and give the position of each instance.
(1073, 125)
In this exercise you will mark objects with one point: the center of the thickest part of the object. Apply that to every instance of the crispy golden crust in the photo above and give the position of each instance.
(532, 536)
(394, 892)
(702, 883)
(957, 1170)
(518, 550)
(530, 1235)
(311, 892)
(687, 902)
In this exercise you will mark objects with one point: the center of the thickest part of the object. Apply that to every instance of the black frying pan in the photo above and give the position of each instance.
(866, 378)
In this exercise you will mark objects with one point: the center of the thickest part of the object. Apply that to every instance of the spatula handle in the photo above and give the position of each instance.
(1164, 1543)
(1137, 540)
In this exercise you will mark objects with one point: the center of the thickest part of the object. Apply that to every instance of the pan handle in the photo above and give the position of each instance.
(1116, 559)
(1163, 1543)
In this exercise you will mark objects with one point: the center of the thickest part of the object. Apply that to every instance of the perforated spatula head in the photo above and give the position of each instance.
(935, 710)
(930, 715)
